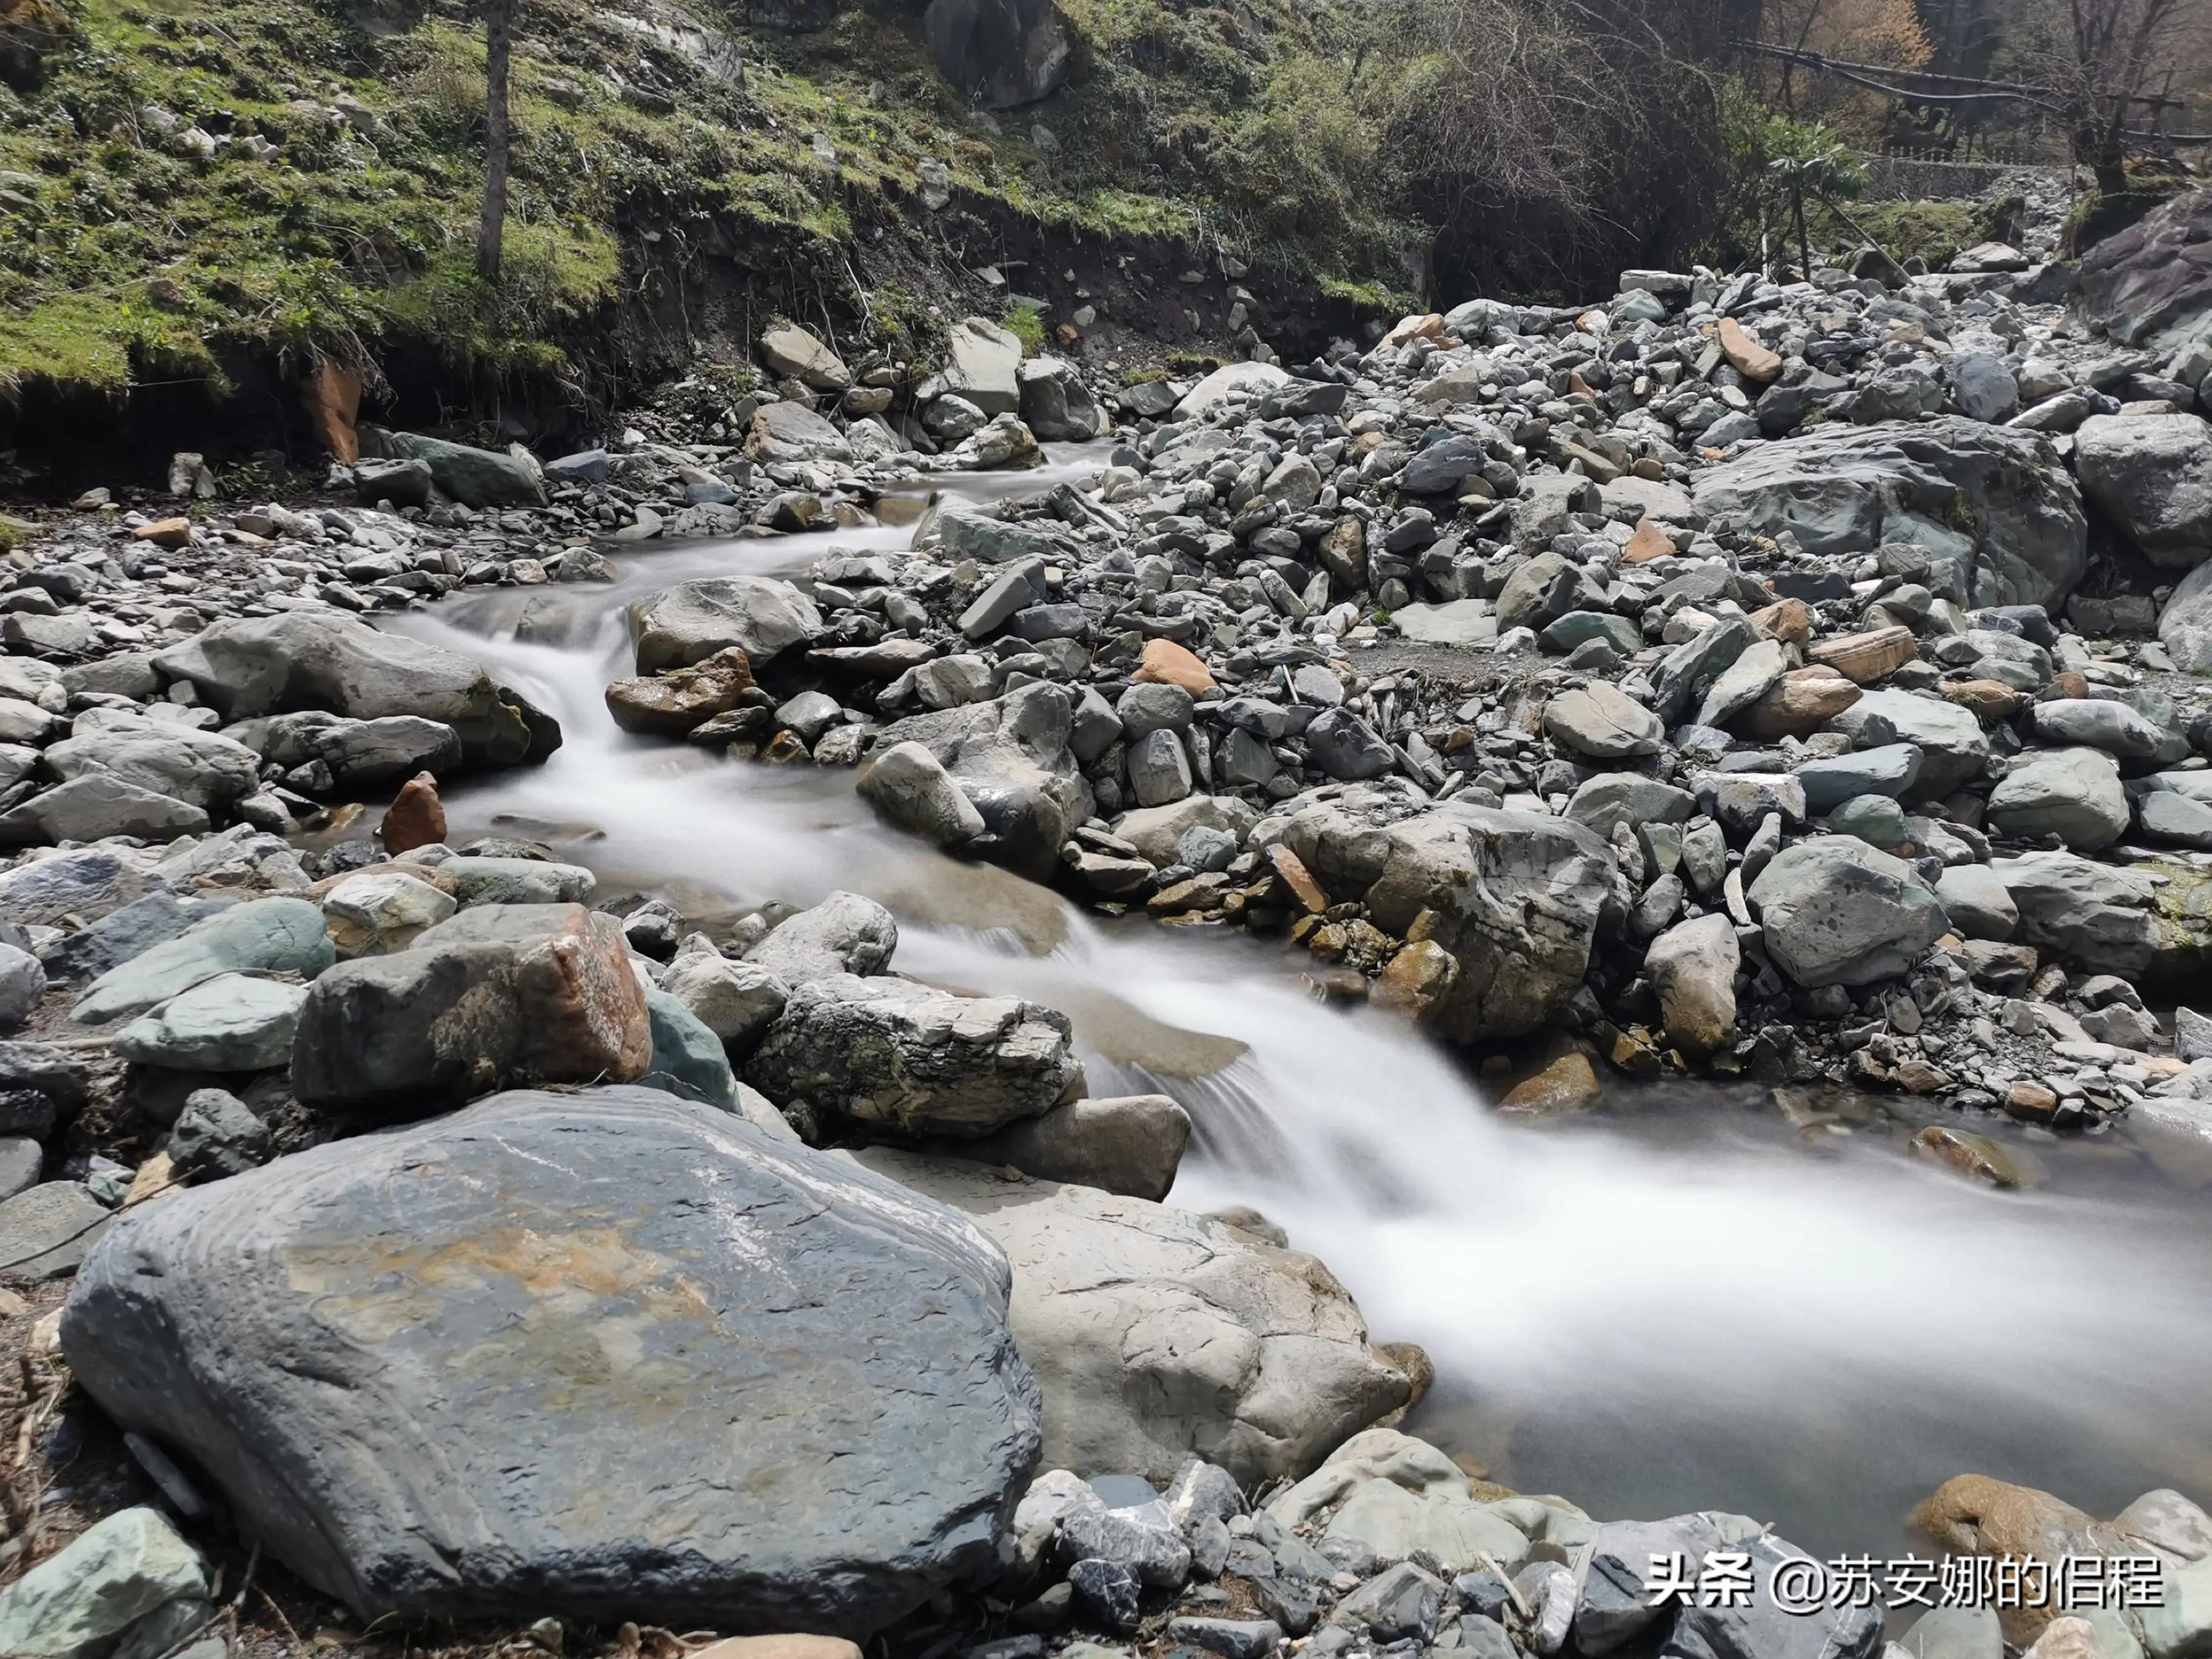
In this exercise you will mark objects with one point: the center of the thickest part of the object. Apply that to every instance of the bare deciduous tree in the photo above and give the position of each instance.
(491, 225)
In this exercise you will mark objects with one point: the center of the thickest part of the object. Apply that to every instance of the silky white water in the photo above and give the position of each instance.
(1674, 1307)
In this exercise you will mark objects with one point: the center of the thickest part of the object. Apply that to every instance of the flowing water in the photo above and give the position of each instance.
(1675, 1303)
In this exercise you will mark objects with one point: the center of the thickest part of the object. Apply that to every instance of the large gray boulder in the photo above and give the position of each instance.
(324, 659)
(1835, 911)
(2073, 793)
(2150, 285)
(691, 621)
(497, 996)
(710, 1377)
(984, 368)
(1159, 1335)
(1995, 507)
(200, 767)
(2184, 627)
(846, 933)
(473, 476)
(1516, 899)
(893, 1054)
(1011, 760)
(2095, 916)
(1056, 405)
(1953, 748)
(2152, 476)
(999, 53)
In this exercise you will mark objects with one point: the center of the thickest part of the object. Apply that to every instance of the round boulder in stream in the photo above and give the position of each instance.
(603, 1355)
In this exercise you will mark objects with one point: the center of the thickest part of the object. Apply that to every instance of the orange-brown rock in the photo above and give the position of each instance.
(1869, 656)
(1977, 1156)
(1990, 699)
(2069, 683)
(331, 396)
(165, 532)
(1790, 621)
(1430, 327)
(1310, 893)
(1166, 663)
(1802, 701)
(1746, 356)
(417, 817)
(1416, 979)
(1976, 1515)
(1567, 1084)
(1648, 543)
(670, 705)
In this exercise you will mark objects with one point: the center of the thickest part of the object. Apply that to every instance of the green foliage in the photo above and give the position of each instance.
(1026, 324)
(1933, 231)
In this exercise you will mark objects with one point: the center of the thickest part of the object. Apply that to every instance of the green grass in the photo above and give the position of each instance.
(1026, 324)
(136, 261)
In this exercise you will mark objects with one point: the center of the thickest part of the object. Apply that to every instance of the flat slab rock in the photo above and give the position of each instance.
(606, 1354)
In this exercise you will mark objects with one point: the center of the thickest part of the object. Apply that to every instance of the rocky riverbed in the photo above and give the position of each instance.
(1781, 683)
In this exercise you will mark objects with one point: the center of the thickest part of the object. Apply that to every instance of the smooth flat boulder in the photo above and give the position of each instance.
(1515, 898)
(1130, 1146)
(2091, 915)
(498, 995)
(985, 367)
(473, 476)
(97, 805)
(846, 933)
(47, 1230)
(2073, 793)
(271, 935)
(232, 1022)
(200, 767)
(2185, 626)
(1230, 379)
(1954, 749)
(1158, 1336)
(1995, 507)
(711, 1377)
(890, 1053)
(692, 621)
(324, 660)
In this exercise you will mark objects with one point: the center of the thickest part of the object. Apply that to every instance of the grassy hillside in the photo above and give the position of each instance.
(188, 175)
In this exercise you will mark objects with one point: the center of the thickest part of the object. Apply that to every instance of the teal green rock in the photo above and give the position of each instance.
(232, 1022)
(126, 1568)
(270, 935)
(687, 1057)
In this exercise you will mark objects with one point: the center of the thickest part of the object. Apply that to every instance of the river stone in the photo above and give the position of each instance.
(1010, 757)
(1953, 748)
(499, 994)
(112, 1582)
(360, 753)
(2184, 627)
(1613, 799)
(984, 367)
(324, 659)
(1057, 404)
(1130, 1146)
(1764, 1629)
(1995, 507)
(2179, 820)
(846, 933)
(1343, 746)
(270, 936)
(232, 1022)
(738, 1001)
(692, 621)
(1975, 898)
(1158, 831)
(911, 788)
(200, 767)
(1889, 769)
(1604, 722)
(1693, 967)
(790, 350)
(891, 1053)
(1744, 682)
(87, 883)
(1616, 1600)
(483, 880)
(97, 805)
(294, 1329)
(1515, 898)
(688, 1059)
(671, 704)
(1395, 1495)
(2073, 793)
(2096, 723)
(47, 1232)
(1230, 380)
(2152, 475)
(473, 476)
(2097, 917)
(216, 1135)
(1835, 911)
(1159, 1335)
(374, 914)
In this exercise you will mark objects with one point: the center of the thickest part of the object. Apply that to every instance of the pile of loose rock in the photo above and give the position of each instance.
(1740, 675)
